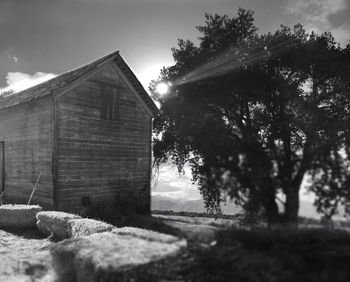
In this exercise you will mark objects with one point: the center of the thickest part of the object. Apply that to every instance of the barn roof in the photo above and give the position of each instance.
(58, 83)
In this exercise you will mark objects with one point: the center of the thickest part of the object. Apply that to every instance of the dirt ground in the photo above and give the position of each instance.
(24, 256)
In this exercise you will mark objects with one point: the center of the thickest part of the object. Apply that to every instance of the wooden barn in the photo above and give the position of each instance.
(86, 132)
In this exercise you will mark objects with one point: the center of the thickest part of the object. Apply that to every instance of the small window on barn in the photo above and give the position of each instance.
(109, 107)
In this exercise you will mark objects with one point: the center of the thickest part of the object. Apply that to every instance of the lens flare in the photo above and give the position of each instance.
(231, 60)
(163, 88)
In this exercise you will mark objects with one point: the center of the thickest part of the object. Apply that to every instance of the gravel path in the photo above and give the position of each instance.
(24, 256)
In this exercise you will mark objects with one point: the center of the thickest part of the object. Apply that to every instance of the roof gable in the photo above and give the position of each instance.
(60, 83)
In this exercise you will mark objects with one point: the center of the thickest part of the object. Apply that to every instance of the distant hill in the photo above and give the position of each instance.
(166, 204)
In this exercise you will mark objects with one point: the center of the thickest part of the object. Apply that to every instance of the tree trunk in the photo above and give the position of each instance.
(269, 202)
(291, 209)
(272, 215)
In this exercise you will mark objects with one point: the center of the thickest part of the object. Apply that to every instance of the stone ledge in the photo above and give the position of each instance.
(18, 216)
(103, 256)
(84, 227)
(55, 223)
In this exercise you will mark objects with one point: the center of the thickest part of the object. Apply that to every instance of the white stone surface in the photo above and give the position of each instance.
(105, 255)
(18, 216)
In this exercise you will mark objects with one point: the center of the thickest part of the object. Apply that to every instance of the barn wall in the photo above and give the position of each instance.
(106, 160)
(26, 130)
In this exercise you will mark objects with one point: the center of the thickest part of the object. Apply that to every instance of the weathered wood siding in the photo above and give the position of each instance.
(27, 133)
(106, 160)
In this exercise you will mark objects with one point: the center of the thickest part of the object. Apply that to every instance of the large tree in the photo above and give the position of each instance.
(253, 114)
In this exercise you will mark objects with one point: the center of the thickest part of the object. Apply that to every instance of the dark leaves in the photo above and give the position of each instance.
(254, 114)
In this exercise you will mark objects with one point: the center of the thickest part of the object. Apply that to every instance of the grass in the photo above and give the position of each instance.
(84, 226)
(196, 214)
(24, 256)
(129, 218)
(145, 234)
(297, 255)
(258, 254)
(249, 255)
(215, 222)
(306, 255)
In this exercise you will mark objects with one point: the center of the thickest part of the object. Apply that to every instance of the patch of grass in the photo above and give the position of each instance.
(120, 218)
(307, 255)
(297, 240)
(198, 263)
(24, 256)
(196, 214)
(148, 222)
(209, 221)
(85, 226)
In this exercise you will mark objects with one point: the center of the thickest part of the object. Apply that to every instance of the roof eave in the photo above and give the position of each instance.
(119, 60)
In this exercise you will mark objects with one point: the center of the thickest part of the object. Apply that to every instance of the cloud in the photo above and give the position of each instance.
(18, 81)
(318, 8)
(181, 195)
(175, 186)
(316, 16)
(12, 58)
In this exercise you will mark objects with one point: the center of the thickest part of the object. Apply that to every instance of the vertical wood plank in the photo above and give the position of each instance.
(115, 103)
(103, 102)
(27, 132)
(2, 167)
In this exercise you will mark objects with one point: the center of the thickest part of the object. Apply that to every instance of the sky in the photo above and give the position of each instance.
(43, 38)
(40, 37)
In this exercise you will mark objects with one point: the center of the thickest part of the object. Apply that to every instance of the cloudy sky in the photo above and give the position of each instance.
(42, 38)
(52, 36)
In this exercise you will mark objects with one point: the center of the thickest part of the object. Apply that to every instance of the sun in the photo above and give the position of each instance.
(162, 88)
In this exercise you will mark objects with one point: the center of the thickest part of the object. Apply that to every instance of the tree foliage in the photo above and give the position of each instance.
(253, 114)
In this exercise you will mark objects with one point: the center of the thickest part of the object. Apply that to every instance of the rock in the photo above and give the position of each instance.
(56, 223)
(18, 216)
(85, 226)
(103, 256)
